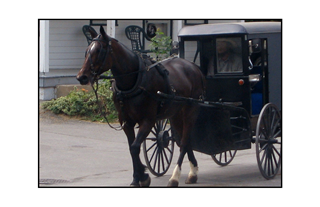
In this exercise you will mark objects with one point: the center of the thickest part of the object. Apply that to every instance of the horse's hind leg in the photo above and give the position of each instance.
(189, 116)
(185, 147)
(193, 174)
(174, 180)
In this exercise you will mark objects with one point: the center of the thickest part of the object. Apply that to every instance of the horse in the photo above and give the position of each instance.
(135, 96)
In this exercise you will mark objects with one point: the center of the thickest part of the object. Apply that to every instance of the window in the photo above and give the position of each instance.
(192, 51)
(227, 57)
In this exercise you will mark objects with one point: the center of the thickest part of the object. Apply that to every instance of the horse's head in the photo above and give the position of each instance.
(97, 58)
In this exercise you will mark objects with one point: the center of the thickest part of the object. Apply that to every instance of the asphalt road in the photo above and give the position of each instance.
(75, 153)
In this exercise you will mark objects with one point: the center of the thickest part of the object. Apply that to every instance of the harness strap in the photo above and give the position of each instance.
(151, 66)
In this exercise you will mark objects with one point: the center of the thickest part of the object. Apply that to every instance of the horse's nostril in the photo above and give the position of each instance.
(83, 80)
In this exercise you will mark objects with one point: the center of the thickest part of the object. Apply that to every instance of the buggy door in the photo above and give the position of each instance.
(259, 89)
(225, 65)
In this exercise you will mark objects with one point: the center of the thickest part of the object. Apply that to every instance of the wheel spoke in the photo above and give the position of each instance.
(151, 146)
(163, 165)
(277, 134)
(154, 132)
(271, 164)
(275, 125)
(153, 154)
(165, 155)
(169, 149)
(159, 159)
(275, 159)
(263, 147)
(265, 163)
(263, 155)
(275, 149)
(155, 160)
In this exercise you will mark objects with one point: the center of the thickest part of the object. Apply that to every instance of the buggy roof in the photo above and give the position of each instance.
(231, 28)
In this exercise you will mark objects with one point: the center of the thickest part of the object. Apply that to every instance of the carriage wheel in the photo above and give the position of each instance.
(158, 149)
(268, 141)
(224, 158)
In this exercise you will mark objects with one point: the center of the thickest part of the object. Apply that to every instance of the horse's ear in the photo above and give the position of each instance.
(103, 33)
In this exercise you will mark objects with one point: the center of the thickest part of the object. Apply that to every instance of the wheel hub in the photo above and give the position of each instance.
(163, 139)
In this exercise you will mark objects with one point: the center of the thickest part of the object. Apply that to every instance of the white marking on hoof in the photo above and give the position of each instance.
(192, 177)
(174, 180)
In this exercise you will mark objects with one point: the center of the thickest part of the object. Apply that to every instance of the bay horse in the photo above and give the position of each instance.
(136, 100)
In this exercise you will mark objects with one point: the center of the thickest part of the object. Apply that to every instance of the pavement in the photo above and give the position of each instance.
(78, 153)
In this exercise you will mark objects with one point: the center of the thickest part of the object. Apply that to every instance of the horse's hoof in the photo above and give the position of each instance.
(134, 184)
(145, 183)
(191, 179)
(173, 183)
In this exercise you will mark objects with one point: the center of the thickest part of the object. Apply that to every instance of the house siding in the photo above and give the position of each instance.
(67, 44)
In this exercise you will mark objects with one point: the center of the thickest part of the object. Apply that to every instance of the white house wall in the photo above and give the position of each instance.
(67, 44)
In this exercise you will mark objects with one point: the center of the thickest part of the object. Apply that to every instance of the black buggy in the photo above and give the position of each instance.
(242, 66)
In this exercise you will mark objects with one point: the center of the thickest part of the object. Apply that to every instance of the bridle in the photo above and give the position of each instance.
(101, 57)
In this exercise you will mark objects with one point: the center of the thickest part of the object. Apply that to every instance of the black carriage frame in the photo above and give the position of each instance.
(223, 91)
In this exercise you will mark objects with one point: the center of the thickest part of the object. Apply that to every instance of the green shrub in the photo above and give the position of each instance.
(161, 45)
(82, 103)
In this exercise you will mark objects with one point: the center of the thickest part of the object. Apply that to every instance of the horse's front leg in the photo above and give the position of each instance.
(128, 128)
(140, 178)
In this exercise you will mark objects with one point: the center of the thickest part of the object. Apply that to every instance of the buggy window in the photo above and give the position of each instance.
(192, 51)
(227, 58)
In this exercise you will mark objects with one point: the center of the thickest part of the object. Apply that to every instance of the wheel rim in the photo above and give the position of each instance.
(224, 158)
(158, 148)
(268, 141)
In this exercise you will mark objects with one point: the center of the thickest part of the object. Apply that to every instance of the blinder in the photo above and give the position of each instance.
(101, 56)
